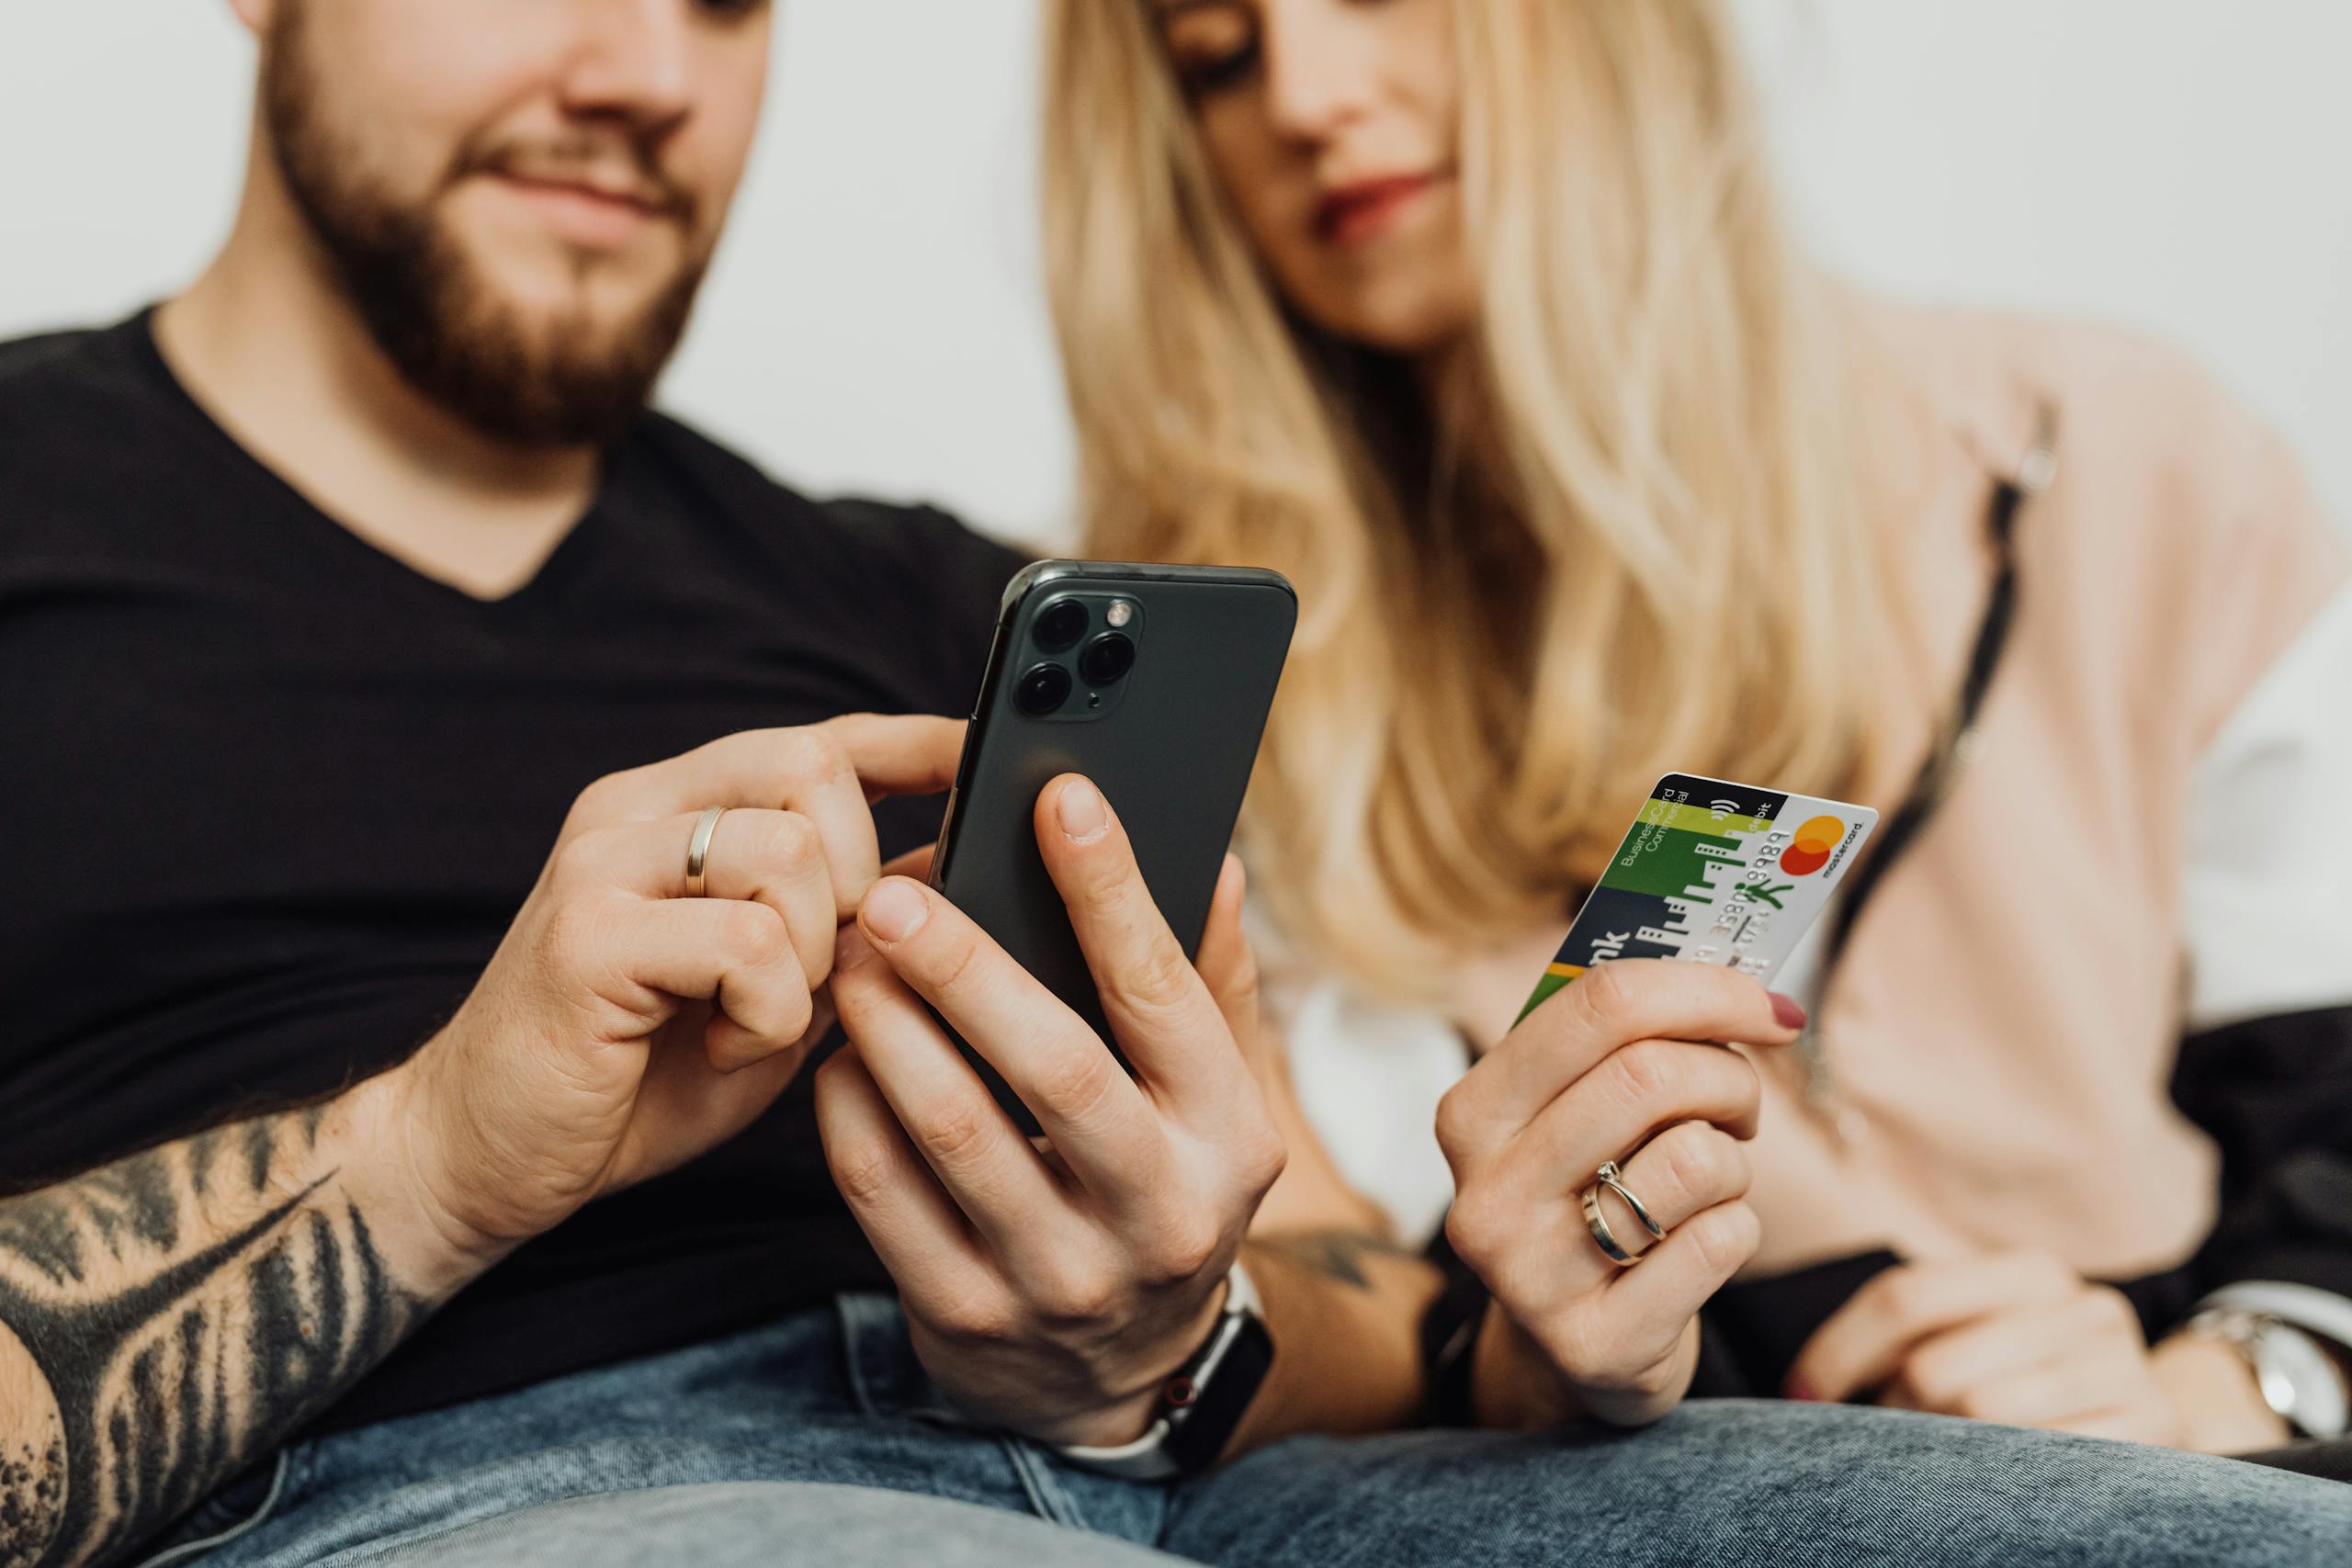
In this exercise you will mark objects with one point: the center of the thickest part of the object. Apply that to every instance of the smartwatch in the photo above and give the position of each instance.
(1202, 1401)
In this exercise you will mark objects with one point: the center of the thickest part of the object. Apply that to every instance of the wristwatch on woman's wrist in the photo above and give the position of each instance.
(1202, 1401)
(2299, 1379)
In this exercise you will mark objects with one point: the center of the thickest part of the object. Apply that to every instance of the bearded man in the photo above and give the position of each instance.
(410, 1086)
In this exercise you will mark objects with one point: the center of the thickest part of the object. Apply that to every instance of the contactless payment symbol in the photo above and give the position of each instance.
(1707, 875)
(1815, 841)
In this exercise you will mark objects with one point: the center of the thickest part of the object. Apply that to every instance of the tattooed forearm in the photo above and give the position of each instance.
(32, 1490)
(187, 1308)
(1344, 1304)
(1335, 1254)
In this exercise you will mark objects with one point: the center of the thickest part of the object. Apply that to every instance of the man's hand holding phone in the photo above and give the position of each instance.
(1049, 1289)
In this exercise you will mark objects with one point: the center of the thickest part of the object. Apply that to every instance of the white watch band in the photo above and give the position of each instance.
(2313, 1311)
(2296, 1376)
(1147, 1458)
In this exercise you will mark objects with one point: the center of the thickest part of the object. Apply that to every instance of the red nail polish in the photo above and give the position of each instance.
(1797, 1388)
(1788, 1010)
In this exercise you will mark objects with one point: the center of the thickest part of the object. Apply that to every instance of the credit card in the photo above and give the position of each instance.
(1713, 873)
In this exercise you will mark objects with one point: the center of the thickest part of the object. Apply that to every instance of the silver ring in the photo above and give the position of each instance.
(698, 849)
(1596, 1221)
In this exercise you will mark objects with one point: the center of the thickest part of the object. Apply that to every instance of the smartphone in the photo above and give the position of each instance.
(1152, 681)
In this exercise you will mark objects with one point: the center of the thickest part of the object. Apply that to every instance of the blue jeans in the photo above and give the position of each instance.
(819, 1438)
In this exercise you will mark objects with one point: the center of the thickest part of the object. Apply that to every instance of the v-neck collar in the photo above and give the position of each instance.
(573, 553)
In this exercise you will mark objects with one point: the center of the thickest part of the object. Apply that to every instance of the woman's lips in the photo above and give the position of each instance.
(1352, 214)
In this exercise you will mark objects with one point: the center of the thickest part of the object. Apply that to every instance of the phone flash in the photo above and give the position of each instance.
(1120, 613)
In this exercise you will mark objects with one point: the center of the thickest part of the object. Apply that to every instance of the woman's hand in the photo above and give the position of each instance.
(1625, 1065)
(1053, 1291)
(2020, 1339)
(2220, 1405)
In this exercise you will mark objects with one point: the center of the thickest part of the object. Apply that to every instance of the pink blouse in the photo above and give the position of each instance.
(2122, 860)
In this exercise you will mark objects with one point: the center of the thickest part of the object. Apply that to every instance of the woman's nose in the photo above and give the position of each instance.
(1322, 66)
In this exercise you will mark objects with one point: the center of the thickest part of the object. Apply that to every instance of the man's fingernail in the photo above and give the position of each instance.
(850, 949)
(1082, 813)
(1790, 1013)
(894, 911)
(1800, 1390)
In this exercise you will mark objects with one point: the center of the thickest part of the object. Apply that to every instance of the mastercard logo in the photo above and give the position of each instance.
(1815, 840)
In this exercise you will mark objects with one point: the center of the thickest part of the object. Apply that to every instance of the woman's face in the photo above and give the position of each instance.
(1331, 124)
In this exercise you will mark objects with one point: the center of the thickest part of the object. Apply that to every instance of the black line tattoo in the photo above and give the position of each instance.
(1338, 1254)
(176, 1353)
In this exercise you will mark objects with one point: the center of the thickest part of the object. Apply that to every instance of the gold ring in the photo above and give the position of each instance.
(698, 849)
(1596, 1221)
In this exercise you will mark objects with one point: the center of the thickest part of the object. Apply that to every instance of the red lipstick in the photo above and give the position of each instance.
(1354, 213)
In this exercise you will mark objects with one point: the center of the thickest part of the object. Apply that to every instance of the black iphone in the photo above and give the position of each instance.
(1152, 681)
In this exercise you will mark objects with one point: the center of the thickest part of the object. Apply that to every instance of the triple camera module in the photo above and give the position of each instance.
(1103, 657)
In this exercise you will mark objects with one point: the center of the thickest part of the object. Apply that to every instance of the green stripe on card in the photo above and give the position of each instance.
(1696, 819)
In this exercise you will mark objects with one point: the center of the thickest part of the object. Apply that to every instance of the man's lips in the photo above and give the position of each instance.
(1357, 213)
(592, 216)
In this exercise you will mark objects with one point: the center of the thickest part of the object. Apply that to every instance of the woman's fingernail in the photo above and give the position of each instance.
(895, 911)
(1789, 1011)
(1800, 1390)
(1082, 813)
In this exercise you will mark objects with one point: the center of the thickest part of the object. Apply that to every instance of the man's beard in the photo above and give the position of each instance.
(443, 327)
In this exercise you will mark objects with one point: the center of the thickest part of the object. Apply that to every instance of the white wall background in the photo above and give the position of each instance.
(874, 323)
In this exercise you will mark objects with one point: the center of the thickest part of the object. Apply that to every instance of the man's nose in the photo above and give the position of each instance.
(629, 61)
(1319, 69)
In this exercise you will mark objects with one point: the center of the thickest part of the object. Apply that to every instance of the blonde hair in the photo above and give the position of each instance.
(1653, 557)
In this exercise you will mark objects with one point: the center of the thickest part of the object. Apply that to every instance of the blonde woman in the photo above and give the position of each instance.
(1477, 318)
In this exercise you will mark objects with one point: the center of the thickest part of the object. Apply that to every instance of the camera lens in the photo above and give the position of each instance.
(1107, 658)
(1059, 625)
(1042, 691)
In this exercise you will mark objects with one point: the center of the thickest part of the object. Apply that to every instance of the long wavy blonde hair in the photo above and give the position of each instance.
(1636, 545)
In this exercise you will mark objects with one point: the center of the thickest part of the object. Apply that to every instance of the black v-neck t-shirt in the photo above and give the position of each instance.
(272, 797)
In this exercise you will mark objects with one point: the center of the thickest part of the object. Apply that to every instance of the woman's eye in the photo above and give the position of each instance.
(730, 10)
(1216, 72)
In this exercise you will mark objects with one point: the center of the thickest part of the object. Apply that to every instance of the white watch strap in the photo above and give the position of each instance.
(2294, 1369)
(1146, 1458)
(2296, 1375)
(2313, 1310)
